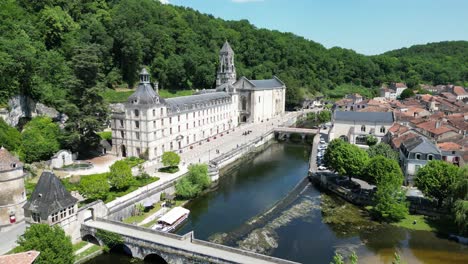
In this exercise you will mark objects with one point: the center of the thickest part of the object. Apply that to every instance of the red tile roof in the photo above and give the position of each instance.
(458, 90)
(396, 142)
(449, 146)
(27, 257)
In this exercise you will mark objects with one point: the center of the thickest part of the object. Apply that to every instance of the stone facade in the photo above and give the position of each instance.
(148, 125)
(12, 192)
(354, 127)
(61, 158)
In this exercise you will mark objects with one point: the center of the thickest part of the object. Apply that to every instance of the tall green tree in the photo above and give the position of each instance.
(51, 241)
(10, 137)
(40, 139)
(381, 169)
(384, 150)
(120, 175)
(170, 159)
(346, 159)
(436, 178)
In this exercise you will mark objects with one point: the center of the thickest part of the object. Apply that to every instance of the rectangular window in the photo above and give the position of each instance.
(36, 217)
(172, 146)
(55, 217)
(137, 135)
(121, 123)
(154, 112)
(162, 122)
(162, 111)
(170, 131)
(178, 128)
(170, 120)
(186, 126)
(154, 134)
(178, 118)
(155, 151)
(154, 124)
(137, 124)
(122, 134)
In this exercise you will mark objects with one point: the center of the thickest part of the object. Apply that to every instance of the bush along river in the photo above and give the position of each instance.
(307, 227)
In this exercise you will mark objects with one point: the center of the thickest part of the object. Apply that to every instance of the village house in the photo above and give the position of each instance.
(354, 127)
(452, 153)
(415, 153)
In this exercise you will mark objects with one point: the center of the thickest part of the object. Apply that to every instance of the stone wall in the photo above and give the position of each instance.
(12, 197)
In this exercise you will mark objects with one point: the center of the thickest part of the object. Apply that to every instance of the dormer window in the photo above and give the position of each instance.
(13, 165)
(418, 156)
(430, 157)
(382, 129)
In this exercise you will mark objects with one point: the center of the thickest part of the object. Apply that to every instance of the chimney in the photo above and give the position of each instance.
(156, 87)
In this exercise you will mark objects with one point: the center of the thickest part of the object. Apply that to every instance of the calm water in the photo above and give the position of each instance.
(266, 178)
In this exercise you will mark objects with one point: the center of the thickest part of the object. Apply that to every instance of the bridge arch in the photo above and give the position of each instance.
(91, 239)
(154, 258)
(122, 249)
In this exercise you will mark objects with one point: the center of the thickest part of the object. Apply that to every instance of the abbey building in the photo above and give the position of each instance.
(148, 125)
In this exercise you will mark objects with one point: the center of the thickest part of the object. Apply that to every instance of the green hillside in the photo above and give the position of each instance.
(67, 54)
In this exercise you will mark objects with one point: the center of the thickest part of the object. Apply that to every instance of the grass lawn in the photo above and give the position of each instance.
(79, 245)
(139, 218)
(421, 223)
(121, 95)
(150, 224)
(89, 251)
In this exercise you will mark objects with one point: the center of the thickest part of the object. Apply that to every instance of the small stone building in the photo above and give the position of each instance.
(12, 192)
(52, 204)
(61, 158)
(354, 127)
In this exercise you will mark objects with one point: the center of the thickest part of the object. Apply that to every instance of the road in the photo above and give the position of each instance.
(8, 238)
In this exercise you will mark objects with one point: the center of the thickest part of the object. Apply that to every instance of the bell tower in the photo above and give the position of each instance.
(227, 70)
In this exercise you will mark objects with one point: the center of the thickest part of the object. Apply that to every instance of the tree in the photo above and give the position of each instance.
(51, 241)
(436, 178)
(380, 169)
(10, 137)
(371, 140)
(170, 159)
(198, 174)
(120, 176)
(346, 159)
(40, 139)
(459, 193)
(324, 116)
(195, 182)
(407, 93)
(95, 187)
(384, 150)
(390, 204)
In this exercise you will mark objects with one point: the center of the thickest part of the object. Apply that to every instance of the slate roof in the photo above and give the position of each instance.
(145, 95)
(8, 161)
(420, 145)
(227, 48)
(49, 196)
(184, 103)
(269, 83)
(378, 117)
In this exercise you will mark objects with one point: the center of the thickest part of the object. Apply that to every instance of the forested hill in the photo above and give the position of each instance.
(59, 51)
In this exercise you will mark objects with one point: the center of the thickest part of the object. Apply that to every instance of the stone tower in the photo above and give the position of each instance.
(227, 70)
(12, 192)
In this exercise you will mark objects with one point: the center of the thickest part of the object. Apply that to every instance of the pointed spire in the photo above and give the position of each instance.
(227, 48)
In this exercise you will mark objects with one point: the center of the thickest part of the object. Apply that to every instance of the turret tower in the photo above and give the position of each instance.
(227, 70)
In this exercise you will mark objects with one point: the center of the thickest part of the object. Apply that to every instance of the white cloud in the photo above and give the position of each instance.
(164, 1)
(246, 1)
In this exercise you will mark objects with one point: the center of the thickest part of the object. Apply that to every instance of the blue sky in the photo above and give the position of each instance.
(367, 26)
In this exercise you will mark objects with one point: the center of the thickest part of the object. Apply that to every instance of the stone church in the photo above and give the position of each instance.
(148, 125)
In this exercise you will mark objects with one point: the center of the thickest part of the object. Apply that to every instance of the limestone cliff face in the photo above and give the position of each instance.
(22, 106)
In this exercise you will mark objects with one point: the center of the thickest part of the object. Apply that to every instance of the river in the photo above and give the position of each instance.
(299, 233)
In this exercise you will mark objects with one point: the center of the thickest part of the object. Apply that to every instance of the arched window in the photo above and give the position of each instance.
(382, 129)
(137, 113)
(430, 157)
(363, 128)
(418, 156)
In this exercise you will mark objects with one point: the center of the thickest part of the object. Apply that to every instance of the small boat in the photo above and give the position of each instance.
(172, 219)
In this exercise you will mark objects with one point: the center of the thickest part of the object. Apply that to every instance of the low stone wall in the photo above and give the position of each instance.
(123, 207)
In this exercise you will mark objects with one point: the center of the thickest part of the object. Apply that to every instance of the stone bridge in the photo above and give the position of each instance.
(285, 132)
(151, 245)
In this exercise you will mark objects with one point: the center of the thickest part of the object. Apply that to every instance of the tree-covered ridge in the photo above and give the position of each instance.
(59, 51)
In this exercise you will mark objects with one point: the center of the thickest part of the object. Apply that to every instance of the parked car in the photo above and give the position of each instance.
(322, 141)
(321, 167)
(322, 147)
